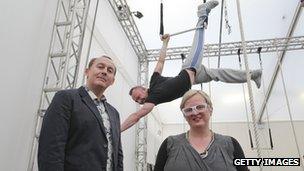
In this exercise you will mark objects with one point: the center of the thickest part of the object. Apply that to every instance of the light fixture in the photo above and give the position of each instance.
(137, 14)
(124, 11)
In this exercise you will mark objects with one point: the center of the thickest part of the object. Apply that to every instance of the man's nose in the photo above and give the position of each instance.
(104, 71)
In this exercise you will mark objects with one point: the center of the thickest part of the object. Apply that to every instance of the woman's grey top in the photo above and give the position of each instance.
(176, 154)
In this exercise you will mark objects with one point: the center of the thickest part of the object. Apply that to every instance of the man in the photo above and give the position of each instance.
(166, 89)
(80, 130)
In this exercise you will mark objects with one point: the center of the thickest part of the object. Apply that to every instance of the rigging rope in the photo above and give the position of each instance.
(220, 35)
(90, 41)
(288, 107)
(210, 95)
(228, 26)
(255, 129)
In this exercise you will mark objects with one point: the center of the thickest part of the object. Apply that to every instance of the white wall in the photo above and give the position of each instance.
(282, 135)
(25, 38)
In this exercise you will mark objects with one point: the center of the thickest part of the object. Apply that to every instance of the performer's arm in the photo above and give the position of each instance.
(134, 117)
(162, 55)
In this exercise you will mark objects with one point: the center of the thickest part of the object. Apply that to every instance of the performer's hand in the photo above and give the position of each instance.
(165, 38)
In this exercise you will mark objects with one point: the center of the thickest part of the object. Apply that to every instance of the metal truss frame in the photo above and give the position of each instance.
(125, 18)
(63, 59)
(212, 50)
(141, 126)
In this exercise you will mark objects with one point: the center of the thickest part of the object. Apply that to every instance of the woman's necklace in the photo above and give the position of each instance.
(204, 154)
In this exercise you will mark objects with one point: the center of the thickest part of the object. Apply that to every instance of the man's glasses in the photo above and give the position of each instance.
(194, 110)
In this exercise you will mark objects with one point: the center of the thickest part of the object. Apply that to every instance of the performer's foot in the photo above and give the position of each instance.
(256, 76)
(205, 8)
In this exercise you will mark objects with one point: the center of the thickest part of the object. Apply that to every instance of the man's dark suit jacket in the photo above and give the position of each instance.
(73, 136)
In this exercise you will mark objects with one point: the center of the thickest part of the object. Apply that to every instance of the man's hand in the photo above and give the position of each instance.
(134, 117)
(165, 38)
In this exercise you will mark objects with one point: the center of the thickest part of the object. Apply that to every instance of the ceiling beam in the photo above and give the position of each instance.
(231, 48)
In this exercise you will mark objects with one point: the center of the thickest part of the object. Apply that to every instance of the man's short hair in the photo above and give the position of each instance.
(103, 56)
(135, 87)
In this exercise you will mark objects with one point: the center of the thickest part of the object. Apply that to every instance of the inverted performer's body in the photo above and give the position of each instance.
(165, 89)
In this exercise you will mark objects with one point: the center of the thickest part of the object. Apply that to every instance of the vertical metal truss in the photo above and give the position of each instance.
(123, 13)
(141, 127)
(63, 58)
(211, 50)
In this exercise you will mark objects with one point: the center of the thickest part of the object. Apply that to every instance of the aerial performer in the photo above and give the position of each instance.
(166, 89)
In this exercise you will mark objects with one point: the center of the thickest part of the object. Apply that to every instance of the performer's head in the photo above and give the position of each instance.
(197, 108)
(139, 94)
(100, 73)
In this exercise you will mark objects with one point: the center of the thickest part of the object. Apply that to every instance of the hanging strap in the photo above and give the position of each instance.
(259, 50)
(228, 26)
(250, 93)
(161, 29)
(245, 101)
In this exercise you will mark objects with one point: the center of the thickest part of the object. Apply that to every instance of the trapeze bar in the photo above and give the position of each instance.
(185, 31)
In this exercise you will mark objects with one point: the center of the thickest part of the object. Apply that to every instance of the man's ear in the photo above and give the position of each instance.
(86, 72)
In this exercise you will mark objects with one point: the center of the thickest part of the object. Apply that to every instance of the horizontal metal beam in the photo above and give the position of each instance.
(227, 49)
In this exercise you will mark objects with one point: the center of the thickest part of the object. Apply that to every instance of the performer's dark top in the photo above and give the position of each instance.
(165, 89)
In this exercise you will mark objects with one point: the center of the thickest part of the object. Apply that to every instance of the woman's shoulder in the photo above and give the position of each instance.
(223, 140)
(223, 137)
(176, 139)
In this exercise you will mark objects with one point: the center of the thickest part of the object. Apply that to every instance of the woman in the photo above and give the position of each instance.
(199, 148)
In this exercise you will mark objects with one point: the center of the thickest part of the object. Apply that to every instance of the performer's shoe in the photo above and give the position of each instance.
(256, 76)
(205, 8)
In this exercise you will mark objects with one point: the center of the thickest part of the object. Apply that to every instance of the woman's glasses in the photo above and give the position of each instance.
(194, 110)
